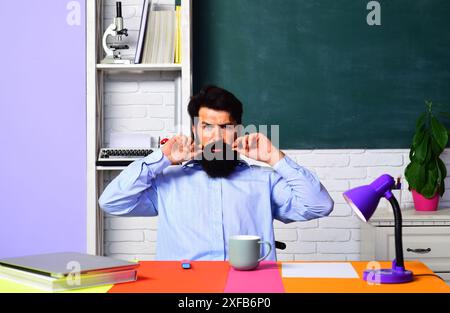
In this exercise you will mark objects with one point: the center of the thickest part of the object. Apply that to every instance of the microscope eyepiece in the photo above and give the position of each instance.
(119, 9)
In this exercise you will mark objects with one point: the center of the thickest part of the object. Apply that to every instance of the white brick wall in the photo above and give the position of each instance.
(139, 103)
(145, 104)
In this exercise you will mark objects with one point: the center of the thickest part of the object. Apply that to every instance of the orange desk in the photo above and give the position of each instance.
(158, 276)
(420, 284)
(212, 277)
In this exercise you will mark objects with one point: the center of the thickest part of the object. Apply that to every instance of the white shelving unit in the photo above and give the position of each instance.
(96, 73)
(139, 67)
(110, 168)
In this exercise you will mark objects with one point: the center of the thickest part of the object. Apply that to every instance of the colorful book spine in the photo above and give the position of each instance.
(178, 36)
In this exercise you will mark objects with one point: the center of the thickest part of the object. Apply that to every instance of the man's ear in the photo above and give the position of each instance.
(194, 135)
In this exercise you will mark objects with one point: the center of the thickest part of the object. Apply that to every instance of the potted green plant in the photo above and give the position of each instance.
(426, 171)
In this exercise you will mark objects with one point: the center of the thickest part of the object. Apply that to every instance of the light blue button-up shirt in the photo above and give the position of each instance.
(198, 214)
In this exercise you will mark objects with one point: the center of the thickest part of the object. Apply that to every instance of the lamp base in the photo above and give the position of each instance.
(388, 276)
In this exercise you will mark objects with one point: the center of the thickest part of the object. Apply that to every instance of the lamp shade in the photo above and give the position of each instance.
(364, 199)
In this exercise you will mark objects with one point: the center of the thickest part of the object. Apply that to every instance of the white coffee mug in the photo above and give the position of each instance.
(244, 252)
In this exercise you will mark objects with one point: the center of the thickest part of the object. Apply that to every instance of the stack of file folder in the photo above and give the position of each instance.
(66, 271)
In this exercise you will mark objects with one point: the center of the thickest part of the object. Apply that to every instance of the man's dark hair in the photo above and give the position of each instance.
(218, 99)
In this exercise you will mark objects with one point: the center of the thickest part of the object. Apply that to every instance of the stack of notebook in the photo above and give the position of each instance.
(66, 271)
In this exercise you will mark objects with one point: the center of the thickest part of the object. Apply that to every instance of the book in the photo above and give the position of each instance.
(142, 31)
(149, 38)
(156, 42)
(160, 38)
(167, 50)
(66, 270)
(175, 60)
(178, 35)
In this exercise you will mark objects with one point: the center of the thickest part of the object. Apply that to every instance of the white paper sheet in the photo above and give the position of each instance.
(318, 270)
(129, 140)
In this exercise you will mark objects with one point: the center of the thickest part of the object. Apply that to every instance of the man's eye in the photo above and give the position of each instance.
(208, 127)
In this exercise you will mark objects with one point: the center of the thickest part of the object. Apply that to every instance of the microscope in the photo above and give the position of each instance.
(116, 30)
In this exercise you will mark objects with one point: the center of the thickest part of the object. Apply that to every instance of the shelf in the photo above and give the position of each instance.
(110, 168)
(441, 214)
(139, 67)
(99, 75)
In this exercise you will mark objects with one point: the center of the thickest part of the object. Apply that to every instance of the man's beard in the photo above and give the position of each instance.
(219, 163)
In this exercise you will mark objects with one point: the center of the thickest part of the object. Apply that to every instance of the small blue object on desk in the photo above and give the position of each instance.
(186, 264)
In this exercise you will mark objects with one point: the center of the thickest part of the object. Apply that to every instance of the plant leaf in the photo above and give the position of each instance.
(442, 168)
(430, 187)
(428, 190)
(418, 137)
(442, 189)
(415, 174)
(412, 152)
(439, 132)
(433, 173)
(435, 148)
(411, 174)
(440, 179)
(421, 149)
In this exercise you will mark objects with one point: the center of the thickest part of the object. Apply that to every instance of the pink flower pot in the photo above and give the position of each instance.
(424, 204)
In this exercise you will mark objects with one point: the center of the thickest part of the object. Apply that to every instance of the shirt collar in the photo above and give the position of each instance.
(196, 164)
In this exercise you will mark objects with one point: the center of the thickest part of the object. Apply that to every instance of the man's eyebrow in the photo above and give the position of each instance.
(224, 124)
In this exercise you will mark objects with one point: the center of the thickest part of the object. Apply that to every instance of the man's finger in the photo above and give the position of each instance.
(195, 151)
(189, 141)
(237, 142)
(184, 140)
(253, 141)
(194, 147)
(246, 145)
(252, 147)
(242, 145)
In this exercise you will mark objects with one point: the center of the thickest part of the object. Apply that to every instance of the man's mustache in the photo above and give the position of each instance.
(218, 150)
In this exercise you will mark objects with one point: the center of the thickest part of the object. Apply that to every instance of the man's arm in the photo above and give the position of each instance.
(133, 192)
(297, 194)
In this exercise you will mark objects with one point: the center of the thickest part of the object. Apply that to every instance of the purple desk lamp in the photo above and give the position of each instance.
(364, 201)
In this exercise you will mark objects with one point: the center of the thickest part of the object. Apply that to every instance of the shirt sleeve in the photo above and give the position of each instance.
(297, 194)
(134, 192)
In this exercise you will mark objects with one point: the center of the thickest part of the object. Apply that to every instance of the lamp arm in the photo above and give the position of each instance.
(398, 231)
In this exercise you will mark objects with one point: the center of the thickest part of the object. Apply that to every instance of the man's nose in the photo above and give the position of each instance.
(218, 134)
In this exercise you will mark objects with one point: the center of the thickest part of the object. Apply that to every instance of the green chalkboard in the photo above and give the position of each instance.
(317, 69)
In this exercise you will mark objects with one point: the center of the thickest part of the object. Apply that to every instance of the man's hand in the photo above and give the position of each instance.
(180, 148)
(258, 147)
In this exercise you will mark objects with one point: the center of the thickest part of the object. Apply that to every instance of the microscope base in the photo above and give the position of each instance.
(112, 60)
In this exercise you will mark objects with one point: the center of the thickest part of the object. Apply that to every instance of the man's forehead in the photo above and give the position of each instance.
(213, 117)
